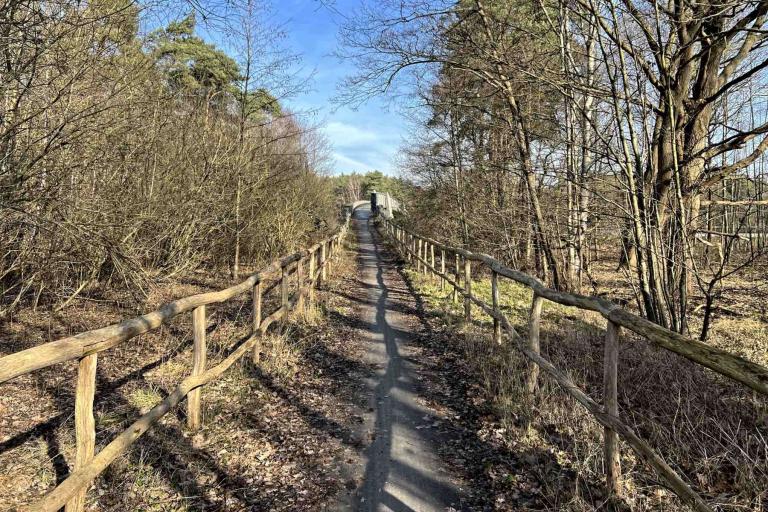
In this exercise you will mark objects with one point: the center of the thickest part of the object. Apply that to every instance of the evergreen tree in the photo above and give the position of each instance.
(190, 63)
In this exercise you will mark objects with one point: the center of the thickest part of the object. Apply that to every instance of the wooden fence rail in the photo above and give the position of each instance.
(746, 372)
(86, 346)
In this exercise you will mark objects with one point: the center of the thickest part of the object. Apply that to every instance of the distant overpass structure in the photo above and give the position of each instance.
(384, 204)
(380, 202)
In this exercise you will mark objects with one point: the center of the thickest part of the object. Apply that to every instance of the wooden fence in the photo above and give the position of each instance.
(421, 251)
(85, 348)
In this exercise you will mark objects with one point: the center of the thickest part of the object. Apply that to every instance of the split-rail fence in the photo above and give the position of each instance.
(455, 267)
(86, 346)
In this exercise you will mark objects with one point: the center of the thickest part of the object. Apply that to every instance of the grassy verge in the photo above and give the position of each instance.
(266, 441)
(710, 430)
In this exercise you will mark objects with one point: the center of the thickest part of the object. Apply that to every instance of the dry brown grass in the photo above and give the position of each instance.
(256, 450)
(711, 430)
(281, 356)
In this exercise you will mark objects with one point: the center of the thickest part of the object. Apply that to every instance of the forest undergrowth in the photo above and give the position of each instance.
(711, 430)
(272, 435)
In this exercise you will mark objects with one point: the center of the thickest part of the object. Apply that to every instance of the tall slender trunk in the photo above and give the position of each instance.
(516, 120)
(458, 171)
(236, 262)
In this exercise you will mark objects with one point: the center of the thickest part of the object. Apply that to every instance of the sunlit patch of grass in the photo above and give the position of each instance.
(745, 336)
(514, 300)
(144, 475)
(311, 314)
(280, 357)
(144, 399)
(170, 373)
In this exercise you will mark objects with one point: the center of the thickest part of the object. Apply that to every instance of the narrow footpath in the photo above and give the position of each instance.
(402, 471)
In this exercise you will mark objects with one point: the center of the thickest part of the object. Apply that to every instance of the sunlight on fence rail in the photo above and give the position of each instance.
(421, 250)
(85, 347)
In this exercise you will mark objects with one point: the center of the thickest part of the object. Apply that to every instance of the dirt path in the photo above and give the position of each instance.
(402, 471)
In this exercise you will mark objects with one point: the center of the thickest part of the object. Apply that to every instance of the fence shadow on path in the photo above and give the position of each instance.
(448, 389)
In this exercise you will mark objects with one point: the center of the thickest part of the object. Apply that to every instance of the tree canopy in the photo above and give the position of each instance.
(189, 62)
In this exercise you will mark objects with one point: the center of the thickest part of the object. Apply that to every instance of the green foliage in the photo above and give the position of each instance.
(192, 65)
(260, 102)
(374, 181)
(356, 186)
(189, 62)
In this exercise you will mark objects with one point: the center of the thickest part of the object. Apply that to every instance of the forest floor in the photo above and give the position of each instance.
(740, 318)
(274, 437)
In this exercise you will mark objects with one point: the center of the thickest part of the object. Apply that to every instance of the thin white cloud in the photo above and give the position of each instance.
(359, 149)
(346, 164)
(345, 135)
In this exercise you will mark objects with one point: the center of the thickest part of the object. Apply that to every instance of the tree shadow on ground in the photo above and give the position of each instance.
(491, 467)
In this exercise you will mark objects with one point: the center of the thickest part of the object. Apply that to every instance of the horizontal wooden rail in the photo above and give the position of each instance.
(737, 368)
(98, 340)
(734, 367)
(54, 500)
(71, 492)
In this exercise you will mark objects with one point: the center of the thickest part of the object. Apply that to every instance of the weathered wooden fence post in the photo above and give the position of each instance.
(300, 284)
(534, 323)
(611, 404)
(331, 252)
(495, 299)
(418, 255)
(312, 272)
(85, 426)
(334, 253)
(458, 279)
(432, 262)
(256, 292)
(406, 246)
(323, 274)
(442, 269)
(199, 355)
(409, 246)
(422, 248)
(468, 288)
(337, 248)
(284, 288)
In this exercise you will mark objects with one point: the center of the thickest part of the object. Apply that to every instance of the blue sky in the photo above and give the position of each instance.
(363, 139)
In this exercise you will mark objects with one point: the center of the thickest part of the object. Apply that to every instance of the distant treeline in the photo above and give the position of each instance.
(357, 186)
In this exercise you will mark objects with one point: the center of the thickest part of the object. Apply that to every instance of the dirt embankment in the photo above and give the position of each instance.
(275, 437)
